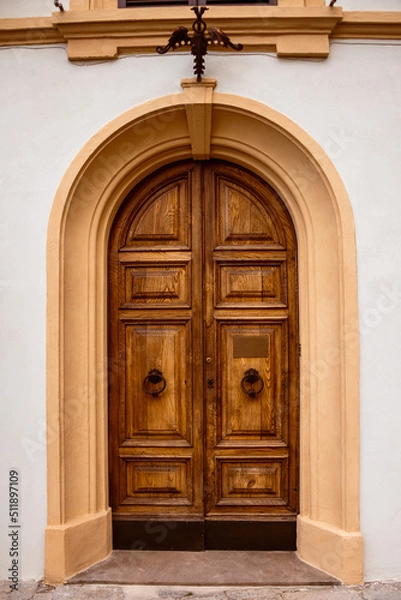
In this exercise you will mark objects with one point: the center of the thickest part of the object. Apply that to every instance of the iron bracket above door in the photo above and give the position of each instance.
(199, 41)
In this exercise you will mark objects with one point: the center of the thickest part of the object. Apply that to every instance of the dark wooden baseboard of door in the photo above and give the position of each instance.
(250, 535)
(204, 535)
(158, 535)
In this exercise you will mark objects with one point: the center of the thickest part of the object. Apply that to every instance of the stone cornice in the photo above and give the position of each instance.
(369, 25)
(288, 31)
(31, 30)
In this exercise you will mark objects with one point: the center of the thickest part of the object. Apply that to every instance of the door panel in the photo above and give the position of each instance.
(203, 355)
(257, 283)
(253, 482)
(156, 284)
(152, 415)
(158, 481)
(247, 418)
(242, 218)
(163, 218)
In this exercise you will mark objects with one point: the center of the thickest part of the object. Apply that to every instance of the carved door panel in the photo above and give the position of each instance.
(203, 363)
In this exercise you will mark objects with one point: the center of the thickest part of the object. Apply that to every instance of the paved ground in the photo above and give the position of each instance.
(37, 591)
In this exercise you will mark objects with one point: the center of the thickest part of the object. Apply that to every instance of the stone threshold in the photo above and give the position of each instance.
(208, 568)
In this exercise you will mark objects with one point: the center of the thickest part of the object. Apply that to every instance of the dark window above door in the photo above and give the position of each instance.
(139, 3)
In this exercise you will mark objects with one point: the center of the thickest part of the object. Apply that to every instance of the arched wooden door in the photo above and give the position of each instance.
(203, 363)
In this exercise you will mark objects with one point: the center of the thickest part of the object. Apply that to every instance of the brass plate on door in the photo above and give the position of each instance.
(250, 346)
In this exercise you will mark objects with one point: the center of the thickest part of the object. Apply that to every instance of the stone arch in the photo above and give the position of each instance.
(199, 123)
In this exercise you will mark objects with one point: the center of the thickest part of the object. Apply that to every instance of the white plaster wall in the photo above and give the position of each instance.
(50, 107)
(369, 4)
(29, 8)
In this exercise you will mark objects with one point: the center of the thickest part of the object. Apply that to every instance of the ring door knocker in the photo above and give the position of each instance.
(250, 379)
(154, 378)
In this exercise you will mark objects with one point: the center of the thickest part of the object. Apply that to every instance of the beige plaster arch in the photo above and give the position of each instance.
(136, 143)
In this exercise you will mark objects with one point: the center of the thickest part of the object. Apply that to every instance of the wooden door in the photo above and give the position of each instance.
(203, 363)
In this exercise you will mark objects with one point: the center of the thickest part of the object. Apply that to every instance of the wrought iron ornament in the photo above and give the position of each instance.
(199, 41)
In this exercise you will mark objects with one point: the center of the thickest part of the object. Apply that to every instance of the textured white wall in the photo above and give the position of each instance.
(369, 4)
(50, 107)
(29, 8)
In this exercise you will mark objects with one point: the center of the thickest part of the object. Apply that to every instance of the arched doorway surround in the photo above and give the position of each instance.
(200, 124)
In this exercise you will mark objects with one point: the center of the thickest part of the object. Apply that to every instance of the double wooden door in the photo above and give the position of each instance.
(203, 363)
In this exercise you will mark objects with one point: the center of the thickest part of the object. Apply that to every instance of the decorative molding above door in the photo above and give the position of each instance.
(296, 31)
